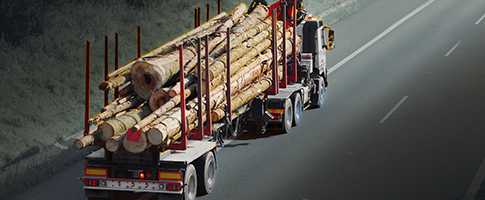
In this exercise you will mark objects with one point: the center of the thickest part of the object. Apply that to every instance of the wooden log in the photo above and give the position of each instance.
(113, 109)
(150, 73)
(160, 107)
(218, 77)
(247, 28)
(135, 146)
(170, 46)
(240, 56)
(84, 141)
(114, 143)
(244, 97)
(120, 124)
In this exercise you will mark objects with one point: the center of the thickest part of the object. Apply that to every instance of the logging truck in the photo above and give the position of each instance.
(185, 165)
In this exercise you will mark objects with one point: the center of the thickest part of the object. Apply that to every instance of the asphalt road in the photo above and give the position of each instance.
(404, 117)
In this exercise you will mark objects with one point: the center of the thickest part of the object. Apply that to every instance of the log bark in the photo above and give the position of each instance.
(249, 27)
(209, 26)
(150, 73)
(240, 56)
(244, 97)
(115, 108)
(120, 124)
(84, 141)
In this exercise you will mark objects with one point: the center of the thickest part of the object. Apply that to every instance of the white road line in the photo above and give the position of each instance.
(380, 36)
(480, 20)
(475, 185)
(453, 48)
(393, 109)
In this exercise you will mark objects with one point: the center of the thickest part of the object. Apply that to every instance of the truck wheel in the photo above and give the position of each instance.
(206, 177)
(297, 109)
(287, 119)
(318, 99)
(190, 180)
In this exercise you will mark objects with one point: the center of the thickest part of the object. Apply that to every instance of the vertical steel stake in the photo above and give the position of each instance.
(106, 69)
(284, 82)
(228, 74)
(195, 17)
(207, 87)
(219, 7)
(138, 41)
(182, 145)
(200, 133)
(117, 60)
(274, 88)
(207, 12)
(294, 75)
(86, 87)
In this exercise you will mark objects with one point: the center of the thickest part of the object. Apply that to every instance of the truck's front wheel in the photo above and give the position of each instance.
(190, 187)
(317, 99)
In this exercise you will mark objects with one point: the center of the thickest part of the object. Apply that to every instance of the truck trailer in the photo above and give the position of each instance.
(187, 168)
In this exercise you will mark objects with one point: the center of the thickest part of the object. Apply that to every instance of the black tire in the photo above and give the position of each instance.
(297, 110)
(206, 176)
(318, 98)
(287, 118)
(190, 180)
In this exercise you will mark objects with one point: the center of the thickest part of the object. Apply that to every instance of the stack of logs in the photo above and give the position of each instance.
(149, 114)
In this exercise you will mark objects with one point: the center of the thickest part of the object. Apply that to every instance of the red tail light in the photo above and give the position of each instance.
(90, 182)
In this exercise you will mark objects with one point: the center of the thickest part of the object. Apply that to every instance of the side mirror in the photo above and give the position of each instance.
(330, 39)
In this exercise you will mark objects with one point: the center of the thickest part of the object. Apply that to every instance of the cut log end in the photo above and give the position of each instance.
(113, 144)
(146, 78)
(107, 131)
(84, 141)
(157, 99)
(137, 146)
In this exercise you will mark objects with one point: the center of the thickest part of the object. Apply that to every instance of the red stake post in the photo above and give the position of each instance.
(294, 71)
(195, 17)
(117, 60)
(138, 41)
(207, 87)
(284, 81)
(200, 133)
(207, 12)
(106, 69)
(218, 6)
(228, 74)
(274, 87)
(182, 143)
(86, 87)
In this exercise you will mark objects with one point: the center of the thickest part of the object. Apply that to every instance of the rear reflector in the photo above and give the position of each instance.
(96, 171)
(173, 186)
(170, 175)
(90, 182)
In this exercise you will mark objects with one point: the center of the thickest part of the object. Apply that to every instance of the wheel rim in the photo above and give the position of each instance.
(298, 110)
(288, 117)
(211, 173)
(191, 188)
(321, 99)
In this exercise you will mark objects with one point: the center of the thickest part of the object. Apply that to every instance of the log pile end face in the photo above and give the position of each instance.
(146, 78)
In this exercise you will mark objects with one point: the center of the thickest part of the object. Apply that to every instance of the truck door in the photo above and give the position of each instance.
(320, 51)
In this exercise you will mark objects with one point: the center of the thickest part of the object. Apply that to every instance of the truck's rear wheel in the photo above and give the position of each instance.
(287, 118)
(206, 176)
(190, 179)
(297, 110)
